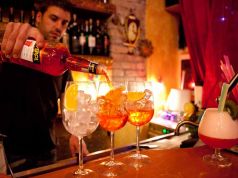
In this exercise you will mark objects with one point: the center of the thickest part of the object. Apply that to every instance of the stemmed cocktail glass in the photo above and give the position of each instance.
(79, 114)
(218, 130)
(112, 116)
(140, 107)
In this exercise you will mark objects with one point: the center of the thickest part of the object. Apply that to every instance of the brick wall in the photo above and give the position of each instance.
(126, 66)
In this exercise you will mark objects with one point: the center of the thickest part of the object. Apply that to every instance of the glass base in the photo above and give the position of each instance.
(139, 156)
(112, 163)
(137, 160)
(112, 168)
(83, 172)
(219, 161)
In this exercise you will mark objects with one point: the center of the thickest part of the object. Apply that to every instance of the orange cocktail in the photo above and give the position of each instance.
(140, 107)
(112, 116)
(140, 117)
(112, 122)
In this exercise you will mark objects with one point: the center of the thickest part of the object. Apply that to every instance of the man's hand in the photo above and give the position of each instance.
(74, 146)
(15, 36)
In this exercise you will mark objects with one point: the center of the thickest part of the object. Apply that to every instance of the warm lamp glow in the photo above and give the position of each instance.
(177, 98)
(192, 85)
(159, 91)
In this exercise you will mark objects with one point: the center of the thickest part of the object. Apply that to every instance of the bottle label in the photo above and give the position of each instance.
(30, 52)
(92, 68)
(82, 40)
(91, 41)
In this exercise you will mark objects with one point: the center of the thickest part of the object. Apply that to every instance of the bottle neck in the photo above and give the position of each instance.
(81, 64)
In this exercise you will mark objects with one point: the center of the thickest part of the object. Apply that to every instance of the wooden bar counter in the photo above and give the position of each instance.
(169, 163)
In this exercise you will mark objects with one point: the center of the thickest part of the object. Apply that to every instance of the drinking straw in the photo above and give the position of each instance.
(225, 89)
(229, 75)
(233, 82)
(223, 96)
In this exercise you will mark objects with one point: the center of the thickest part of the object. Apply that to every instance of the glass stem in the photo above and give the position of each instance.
(137, 139)
(80, 153)
(218, 153)
(112, 146)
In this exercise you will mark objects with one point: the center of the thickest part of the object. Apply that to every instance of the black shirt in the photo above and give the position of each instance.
(28, 103)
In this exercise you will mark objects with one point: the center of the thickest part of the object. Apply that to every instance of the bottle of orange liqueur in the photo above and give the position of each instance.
(53, 59)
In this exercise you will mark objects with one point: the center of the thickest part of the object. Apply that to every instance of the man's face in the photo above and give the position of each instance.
(53, 23)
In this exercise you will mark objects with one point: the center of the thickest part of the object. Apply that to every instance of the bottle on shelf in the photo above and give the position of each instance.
(74, 42)
(105, 41)
(98, 38)
(65, 39)
(22, 16)
(82, 40)
(86, 33)
(11, 14)
(91, 38)
(53, 59)
(32, 19)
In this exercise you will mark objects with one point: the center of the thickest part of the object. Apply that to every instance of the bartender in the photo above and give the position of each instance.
(28, 99)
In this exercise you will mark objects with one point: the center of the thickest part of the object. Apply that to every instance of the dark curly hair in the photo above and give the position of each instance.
(42, 5)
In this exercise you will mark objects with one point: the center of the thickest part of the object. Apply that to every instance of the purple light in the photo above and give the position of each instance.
(222, 19)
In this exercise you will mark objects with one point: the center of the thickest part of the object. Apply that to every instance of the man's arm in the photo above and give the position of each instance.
(15, 36)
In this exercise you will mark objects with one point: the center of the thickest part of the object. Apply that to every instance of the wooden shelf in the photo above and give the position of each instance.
(96, 7)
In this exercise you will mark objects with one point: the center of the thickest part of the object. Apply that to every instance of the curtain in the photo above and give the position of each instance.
(211, 31)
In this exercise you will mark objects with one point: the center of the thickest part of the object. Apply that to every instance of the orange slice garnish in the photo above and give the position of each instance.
(115, 94)
(71, 100)
(135, 96)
